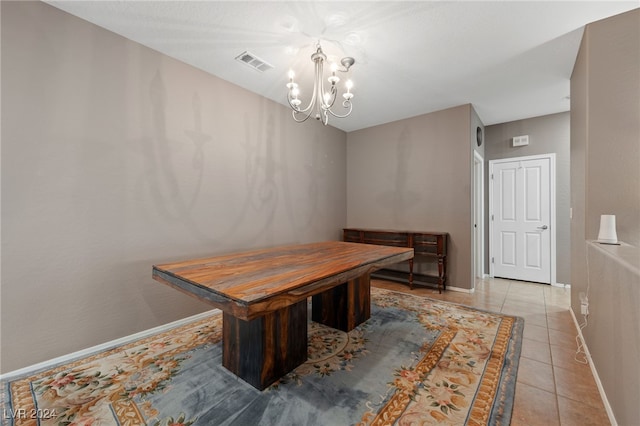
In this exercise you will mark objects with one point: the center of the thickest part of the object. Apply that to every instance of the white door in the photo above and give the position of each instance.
(521, 219)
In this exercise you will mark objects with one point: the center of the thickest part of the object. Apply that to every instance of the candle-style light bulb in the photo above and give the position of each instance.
(349, 85)
(291, 85)
(294, 93)
(333, 79)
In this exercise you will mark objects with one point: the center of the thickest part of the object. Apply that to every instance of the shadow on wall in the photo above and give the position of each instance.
(399, 199)
(229, 192)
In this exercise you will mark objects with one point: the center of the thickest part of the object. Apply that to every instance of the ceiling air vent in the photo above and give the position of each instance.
(253, 61)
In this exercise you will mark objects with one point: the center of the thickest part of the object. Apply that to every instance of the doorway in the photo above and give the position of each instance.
(478, 215)
(522, 218)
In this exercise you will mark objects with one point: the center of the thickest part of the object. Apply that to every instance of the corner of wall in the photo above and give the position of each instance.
(605, 155)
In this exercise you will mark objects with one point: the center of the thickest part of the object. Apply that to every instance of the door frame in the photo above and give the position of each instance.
(478, 214)
(552, 206)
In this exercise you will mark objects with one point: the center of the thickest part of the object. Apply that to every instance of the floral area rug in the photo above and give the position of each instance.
(415, 361)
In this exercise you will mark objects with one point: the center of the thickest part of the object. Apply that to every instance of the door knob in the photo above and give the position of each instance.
(543, 227)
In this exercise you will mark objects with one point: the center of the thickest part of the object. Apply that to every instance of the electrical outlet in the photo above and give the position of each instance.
(584, 309)
(584, 304)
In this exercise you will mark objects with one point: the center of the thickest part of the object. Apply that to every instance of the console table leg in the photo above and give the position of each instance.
(344, 307)
(441, 274)
(411, 274)
(262, 350)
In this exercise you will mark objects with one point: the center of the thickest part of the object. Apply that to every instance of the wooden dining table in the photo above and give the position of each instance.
(263, 295)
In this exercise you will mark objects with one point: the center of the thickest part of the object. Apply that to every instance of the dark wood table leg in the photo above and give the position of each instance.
(344, 307)
(262, 350)
(411, 274)
(441, 273)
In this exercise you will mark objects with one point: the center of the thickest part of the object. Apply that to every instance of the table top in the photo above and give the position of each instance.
(252, 283)
(395, 231)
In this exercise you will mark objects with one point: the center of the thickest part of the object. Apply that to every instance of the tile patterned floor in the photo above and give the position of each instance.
(552, 387)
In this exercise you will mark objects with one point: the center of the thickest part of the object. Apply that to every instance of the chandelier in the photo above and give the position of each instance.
(322, 101)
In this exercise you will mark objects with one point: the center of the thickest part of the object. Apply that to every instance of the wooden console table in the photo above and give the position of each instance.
(430, 244)
(263, 296)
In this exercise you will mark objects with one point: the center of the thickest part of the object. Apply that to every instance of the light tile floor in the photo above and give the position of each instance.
(552, 387)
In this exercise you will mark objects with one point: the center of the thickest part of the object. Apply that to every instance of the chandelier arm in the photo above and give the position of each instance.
(307, 108)
(304, 112)
(319, 75)
(333, 92)
(299, 120)
(326, 105)
(346, 104)
(307, 111)
(318, 87)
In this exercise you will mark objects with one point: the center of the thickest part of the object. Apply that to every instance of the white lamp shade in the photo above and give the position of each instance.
(607, 232)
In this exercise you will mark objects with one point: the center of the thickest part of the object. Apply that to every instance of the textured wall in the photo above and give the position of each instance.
(547, 134)
(116, 157)
(416, 174)
(605, 179)
(613, 122)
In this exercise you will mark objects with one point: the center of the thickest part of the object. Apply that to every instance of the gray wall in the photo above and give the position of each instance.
(116, 157)
(605, 179)
(547, 134)
(416, 174)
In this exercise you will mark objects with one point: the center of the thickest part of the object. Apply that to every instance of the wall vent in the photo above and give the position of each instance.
(253, 61)
(520, 140)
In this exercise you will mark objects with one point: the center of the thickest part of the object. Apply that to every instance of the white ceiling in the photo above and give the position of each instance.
(510, 59)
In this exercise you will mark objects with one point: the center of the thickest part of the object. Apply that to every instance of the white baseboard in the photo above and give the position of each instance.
(561, 285)
(461, 290)
(52, 363)
(603, 395)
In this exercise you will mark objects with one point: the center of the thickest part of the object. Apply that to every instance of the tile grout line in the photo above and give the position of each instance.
(553, 368)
